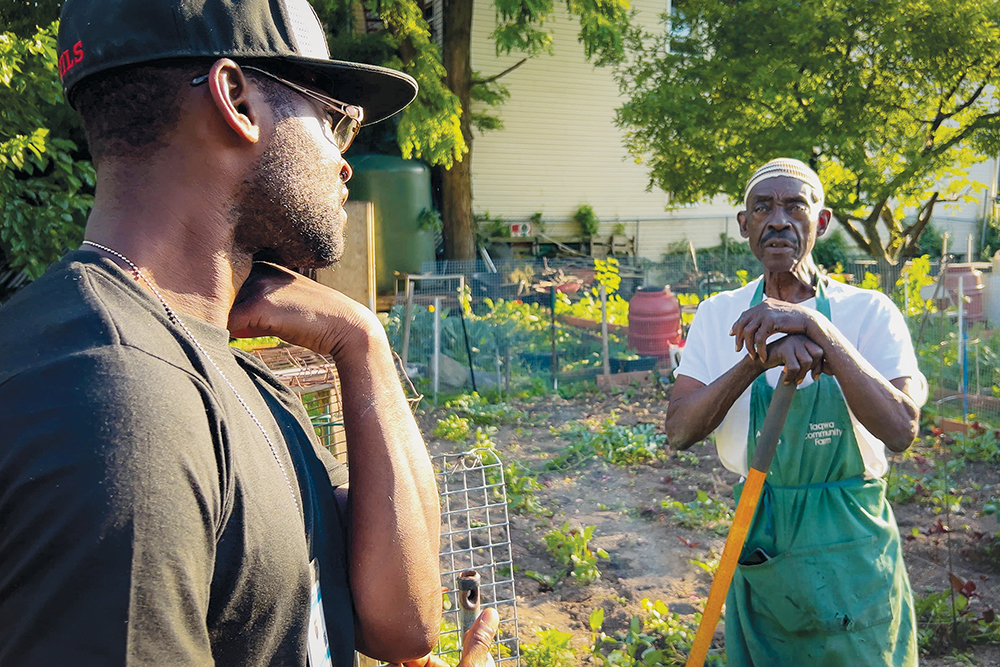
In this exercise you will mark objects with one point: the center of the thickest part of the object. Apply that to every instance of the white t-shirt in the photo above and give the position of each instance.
(868, 319)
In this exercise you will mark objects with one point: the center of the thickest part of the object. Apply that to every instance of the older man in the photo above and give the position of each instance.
(164, 500)
(821, 580)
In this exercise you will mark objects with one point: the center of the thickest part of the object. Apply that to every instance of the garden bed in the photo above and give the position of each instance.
(662, 521)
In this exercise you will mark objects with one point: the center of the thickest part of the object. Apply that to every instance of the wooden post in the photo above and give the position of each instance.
(604, 330)
(436, 354)
(407, 319)
(552, 303)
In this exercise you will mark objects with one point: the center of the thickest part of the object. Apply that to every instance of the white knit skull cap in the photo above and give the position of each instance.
(784, 166)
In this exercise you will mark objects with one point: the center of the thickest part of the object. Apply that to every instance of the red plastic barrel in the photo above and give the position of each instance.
(654, 321)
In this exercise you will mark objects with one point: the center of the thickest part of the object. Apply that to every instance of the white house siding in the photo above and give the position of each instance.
(560, 149)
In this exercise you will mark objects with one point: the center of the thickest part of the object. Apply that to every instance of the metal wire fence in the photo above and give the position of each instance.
(514, 329)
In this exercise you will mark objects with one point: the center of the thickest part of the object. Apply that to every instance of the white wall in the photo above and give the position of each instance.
(559, 148)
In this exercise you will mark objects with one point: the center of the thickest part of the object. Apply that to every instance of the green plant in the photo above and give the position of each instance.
(479, 411)
(571, 548)
(487, 227)
(519, 483)
(930, 242)
(613, 442)
(657, 637)
(589, 308)
(933, 484)
(711, 563)
(551, 650)
(704, 512)
(587, 219)
(430, 219)
(942, 623)
(607, 273)
(618, 229)
(453, 428)
(914, 276)
(687, 458)
(992, 540)
(870, 281)
(687, 300)
(575, 389)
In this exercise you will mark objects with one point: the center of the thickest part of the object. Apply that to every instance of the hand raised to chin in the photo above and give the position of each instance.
(275, 301)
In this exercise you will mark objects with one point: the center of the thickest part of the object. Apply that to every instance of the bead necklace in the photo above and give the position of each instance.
(172, 316)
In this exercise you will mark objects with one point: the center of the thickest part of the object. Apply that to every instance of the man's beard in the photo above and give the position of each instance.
(289, 210)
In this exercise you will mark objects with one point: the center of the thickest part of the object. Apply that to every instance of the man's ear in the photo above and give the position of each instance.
(741, 218)
(823, 223)
(231, 95)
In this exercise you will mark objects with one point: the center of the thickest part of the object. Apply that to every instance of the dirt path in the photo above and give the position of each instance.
(651, 555)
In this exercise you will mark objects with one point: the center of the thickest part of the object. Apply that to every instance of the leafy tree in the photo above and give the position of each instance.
(438, 127)
(884, 99)
(46, 176)
(46, 180)
(25, 17)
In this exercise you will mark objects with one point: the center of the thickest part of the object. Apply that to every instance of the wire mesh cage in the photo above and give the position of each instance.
(476, 558)
(314, 378)
(475, 536)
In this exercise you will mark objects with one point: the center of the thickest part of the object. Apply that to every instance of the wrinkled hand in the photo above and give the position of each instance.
(475, 646)
(767, 318)
(275, 301)
(799, 355)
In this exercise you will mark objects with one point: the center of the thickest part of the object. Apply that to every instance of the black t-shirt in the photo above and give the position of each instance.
(144, 520)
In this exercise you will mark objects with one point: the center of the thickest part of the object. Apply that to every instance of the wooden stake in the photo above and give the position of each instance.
(604, 330)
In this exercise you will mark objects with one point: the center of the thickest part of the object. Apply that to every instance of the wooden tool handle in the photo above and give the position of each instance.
(770, 434)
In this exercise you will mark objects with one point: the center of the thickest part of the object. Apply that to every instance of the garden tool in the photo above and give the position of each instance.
(770, 433)
(468, 599)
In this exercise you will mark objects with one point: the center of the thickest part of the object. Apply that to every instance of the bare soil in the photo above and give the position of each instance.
(650, 555)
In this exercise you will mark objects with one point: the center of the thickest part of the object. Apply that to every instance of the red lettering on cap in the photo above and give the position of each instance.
(68, 60)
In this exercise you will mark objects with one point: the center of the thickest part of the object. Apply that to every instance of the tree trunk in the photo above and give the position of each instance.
(456, 183)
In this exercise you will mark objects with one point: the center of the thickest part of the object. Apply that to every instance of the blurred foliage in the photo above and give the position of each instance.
(46, 178)
(24, 17)
(890, 102)
(988, 229)
(832, 249)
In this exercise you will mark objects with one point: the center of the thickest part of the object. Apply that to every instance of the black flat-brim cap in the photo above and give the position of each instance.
(98, 35)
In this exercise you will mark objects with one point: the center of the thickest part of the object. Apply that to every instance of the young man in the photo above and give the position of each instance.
(821, 580)
(164, 500)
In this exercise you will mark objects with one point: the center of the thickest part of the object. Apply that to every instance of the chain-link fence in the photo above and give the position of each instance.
(539, 321)
(509, 334)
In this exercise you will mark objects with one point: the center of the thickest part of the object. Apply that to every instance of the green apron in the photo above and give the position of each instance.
(821, 580)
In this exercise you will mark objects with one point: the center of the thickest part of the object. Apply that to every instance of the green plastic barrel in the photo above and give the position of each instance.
(400, 190)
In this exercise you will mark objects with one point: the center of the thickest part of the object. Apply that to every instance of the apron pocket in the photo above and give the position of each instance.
(824, 590)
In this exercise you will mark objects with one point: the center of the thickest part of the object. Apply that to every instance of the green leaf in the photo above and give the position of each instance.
(596, 619)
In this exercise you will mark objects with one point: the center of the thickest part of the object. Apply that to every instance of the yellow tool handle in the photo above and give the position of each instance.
(767, 442)
(727, 566)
